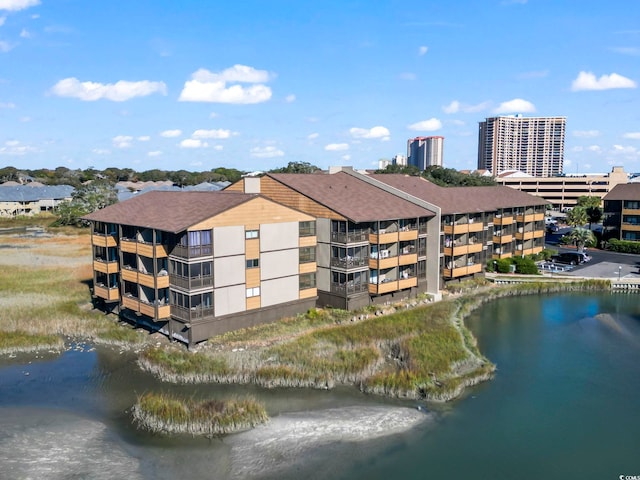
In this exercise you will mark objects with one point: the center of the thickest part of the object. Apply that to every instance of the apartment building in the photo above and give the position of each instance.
(563, 191)
(478, 223)
(534, 145)
(375, 243)
(423, 152)
(197, 264)
(622, 212)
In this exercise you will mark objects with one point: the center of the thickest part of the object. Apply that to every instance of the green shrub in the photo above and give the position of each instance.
(624, 246)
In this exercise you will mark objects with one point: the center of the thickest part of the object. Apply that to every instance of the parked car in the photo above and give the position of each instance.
(572, 258)
(552, 228)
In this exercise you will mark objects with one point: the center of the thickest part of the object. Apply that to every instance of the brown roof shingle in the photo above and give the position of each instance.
(169, 211)
(350, 197)
(460, 199)
(624, 191)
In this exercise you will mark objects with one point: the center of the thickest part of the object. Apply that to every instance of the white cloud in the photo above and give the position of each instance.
(374, 132)
(633, 51)
(206, 86)
(122, 141)
(155, 153)
(594, 148)
(220, 133)
(336, 147)
(117, 92)
(408, 76)
(25, 34)
(632, 135)
(423, 50)
(15, 5)
(586, 133)
(5, 46)
(346, 158)
(266, 152)
(218, 148)
(15, 148)
(193, 143)
(101, 151)
(144, 138)
(588, 81)
(625, 150)
(171, 133)
(517, 105)
(213, 115)
(429, 125)
(455, 106)
(290, 98)
(313, 136)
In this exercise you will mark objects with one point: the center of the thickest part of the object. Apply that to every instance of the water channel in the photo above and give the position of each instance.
(563, 404)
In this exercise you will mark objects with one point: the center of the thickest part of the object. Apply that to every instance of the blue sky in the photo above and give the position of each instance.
(255, 84)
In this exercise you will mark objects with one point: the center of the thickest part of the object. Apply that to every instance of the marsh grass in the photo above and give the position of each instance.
(12, 342)
(168, 414)
(48, 295)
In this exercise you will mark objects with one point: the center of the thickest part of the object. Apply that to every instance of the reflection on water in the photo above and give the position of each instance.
(565, 391)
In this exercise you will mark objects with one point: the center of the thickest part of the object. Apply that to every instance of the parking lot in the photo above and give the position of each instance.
(603, 264)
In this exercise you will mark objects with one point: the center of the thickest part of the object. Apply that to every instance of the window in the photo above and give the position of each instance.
(307, 229)
(249, 234)
(307, 254)
(253, 263)
(253, 292)
(308, 280)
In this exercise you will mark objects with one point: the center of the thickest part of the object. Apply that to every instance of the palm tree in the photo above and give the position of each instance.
(577, 217)
(581, 237)
(594, 215)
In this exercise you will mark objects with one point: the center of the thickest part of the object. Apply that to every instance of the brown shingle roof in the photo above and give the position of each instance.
(460, 199)
(624, 191)
(350, 197)
(169, 211)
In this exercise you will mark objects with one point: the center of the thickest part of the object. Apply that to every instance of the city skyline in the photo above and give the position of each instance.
(198, 85)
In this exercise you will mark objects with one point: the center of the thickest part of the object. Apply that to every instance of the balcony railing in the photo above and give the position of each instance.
(192, 252)
(348, 289)
(193, 313)
(356, 236)
(193, 283)
(348, 262)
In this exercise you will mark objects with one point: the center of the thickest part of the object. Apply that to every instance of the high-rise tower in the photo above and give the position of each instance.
(423, 152)
(534, 145)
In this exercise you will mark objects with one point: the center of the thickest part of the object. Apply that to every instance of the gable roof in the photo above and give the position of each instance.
(350, 197)
(169, 211)
(624, 191)
(25, 193)
(460, 199)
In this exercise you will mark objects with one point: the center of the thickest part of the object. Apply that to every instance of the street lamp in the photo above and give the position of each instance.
(495, 267)
(619, 271)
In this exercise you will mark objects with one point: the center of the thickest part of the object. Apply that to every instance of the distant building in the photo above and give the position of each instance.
(564, 190)
(399, 159)
(622, 212)
(533, 145)
(423, 152)
(30, 199)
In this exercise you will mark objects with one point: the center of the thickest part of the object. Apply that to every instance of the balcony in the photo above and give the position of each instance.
(462, 271)
(308, 293)
(105, 241)
(408, 234)
(382, 263)
(106, 267)
(194, 283)
(383, 237)
(347, 289)
(630, 227)
(108, 294)
(384, 287)
(408, 259)
(192, 252)
(128, 245)
(452, 229)
(191, 314)
(525, 235)
(475, 227)
(503, 220)
(407, 283)
(348, 262)
(358, 236)
(503, 238)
